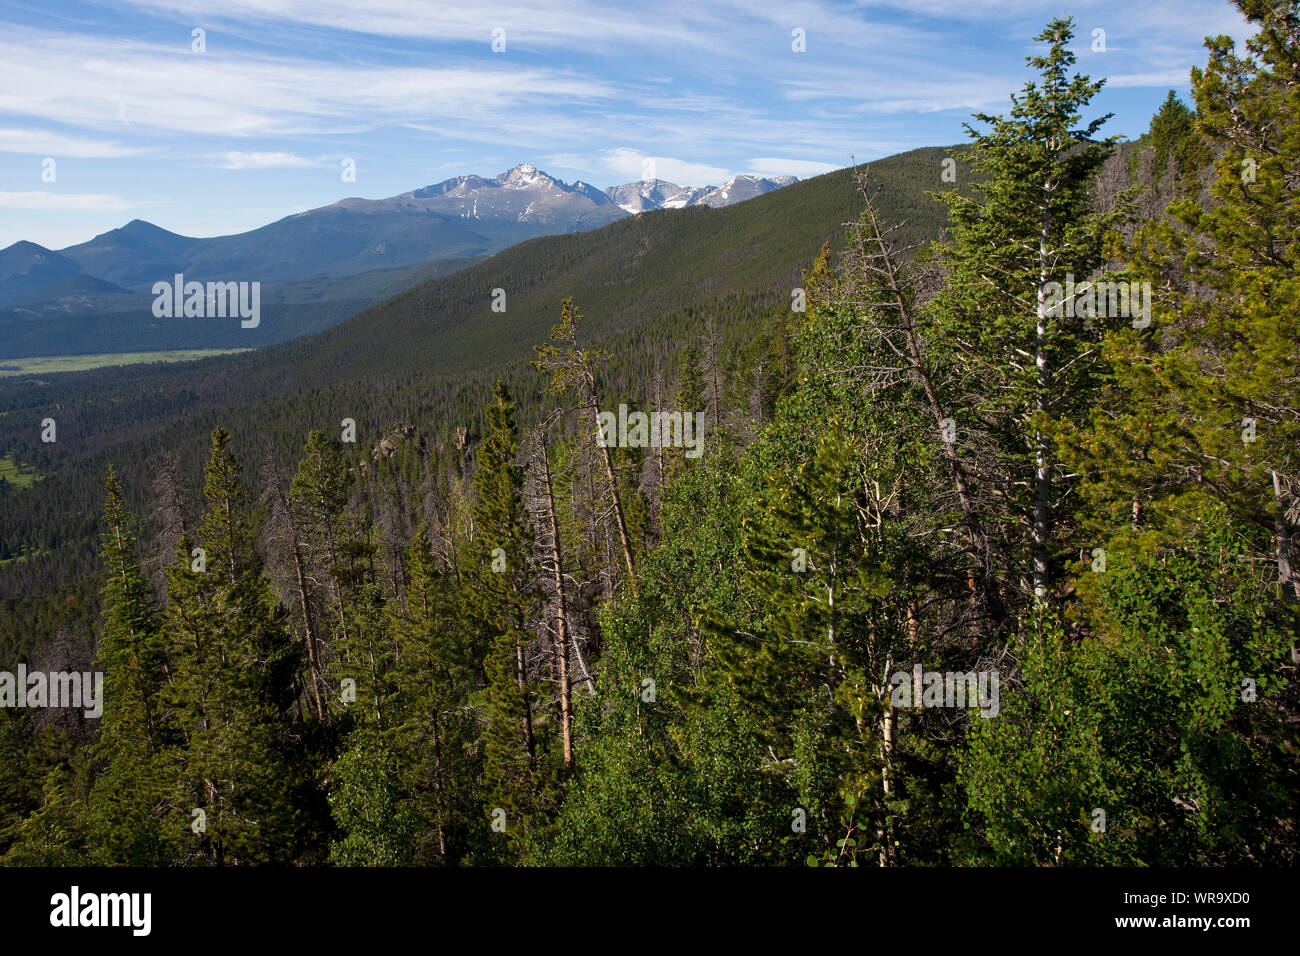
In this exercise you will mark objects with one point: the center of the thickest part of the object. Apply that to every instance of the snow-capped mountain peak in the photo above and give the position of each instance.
(742, 187)
(523, 176)
(526, 194)
(656, 194)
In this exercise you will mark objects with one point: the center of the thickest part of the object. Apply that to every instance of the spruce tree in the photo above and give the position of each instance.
(317, 498)
(233, 688)
(137, 737)
(1020, 363)
(436, 729)
(503, 597)
(1170, 130)
(1207, 401)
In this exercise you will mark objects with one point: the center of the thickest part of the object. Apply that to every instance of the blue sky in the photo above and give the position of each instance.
(258, 126)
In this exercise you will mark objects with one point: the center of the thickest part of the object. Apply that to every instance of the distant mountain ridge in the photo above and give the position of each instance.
(465, 216)
(26, 268)
(315, 256)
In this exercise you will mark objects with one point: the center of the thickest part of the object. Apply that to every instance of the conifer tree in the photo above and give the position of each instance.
(362, 653)
(127, 802)
(690, 383)
(503, 596)
(1023, 361)
(436, 730)
(814, 667)
(55, 833)
(317, 497)
(1207, 401)
(233, 688)
(1170, 129)
(292, 549)
(1134, 745)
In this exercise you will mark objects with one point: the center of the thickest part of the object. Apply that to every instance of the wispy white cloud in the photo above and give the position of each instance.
(634, 166)
(589, 25)
(772, 166)
(107, 84)
(59, 202)
(906, 93)
(1158, 78)
(1186, 19)
(234, 159)
(34, 142)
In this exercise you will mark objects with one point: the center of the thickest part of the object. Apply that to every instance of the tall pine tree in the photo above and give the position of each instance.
(137, 736)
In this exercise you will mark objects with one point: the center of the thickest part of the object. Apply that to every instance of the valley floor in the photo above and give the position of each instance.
(79, 363)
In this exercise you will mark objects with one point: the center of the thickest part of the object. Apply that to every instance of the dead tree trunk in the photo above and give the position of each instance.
(1042, 449)
(975, 534)
(304, 598)
(521, 680)
(556, 561)
(608, 460)
(1282, 528)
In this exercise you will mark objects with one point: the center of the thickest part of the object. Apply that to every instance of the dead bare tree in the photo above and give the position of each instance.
(283, 536)
(573, 370)
(567, 650)
(888, 294)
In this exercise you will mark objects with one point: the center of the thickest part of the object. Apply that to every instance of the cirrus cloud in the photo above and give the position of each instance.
(34, 142)
(234, 159)
(61, 202)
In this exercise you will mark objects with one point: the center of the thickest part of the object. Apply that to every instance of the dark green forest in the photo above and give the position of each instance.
(389, 595)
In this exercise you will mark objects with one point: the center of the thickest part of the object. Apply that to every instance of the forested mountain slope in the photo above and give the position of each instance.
(648, 284)
(934, 571)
